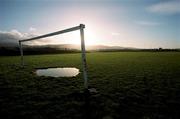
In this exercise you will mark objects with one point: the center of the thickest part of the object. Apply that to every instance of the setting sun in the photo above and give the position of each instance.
(90, 35)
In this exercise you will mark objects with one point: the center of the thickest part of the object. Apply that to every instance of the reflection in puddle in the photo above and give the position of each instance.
(58, 72)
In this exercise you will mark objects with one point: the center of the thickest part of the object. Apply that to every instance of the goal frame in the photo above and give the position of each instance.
(83, 50)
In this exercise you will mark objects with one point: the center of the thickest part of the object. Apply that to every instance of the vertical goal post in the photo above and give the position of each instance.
(83, 50)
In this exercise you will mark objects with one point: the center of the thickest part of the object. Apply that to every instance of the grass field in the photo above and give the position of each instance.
(130, 85)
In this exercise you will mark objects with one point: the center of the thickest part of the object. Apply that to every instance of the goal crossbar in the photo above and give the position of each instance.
(54, 33)
(83, 51)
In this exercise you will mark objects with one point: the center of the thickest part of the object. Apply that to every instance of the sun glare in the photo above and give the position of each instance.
(74, 38)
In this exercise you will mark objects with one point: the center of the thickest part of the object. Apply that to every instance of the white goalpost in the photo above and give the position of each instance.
(83, 51)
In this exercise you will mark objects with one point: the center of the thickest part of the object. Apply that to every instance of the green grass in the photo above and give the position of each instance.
(137, 85)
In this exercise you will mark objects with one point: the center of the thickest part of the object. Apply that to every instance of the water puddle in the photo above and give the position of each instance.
(58, 72)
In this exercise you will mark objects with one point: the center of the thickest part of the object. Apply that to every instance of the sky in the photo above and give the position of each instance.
(126, 23)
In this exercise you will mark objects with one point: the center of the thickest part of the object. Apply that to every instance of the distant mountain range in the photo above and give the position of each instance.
(11, 49)
(88, 47)
(70, 46)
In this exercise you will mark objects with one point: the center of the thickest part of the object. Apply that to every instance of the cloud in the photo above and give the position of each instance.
(168, 7)
(147, 23)
(12, 37)
(115, 34)
(31, 29)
